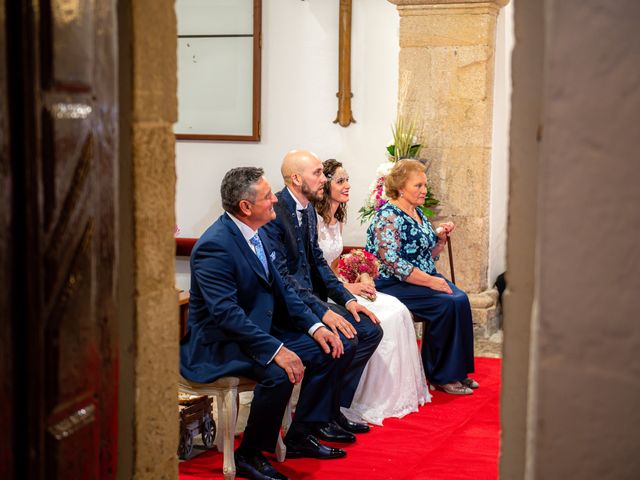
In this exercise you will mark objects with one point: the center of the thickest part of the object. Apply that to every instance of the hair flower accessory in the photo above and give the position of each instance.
(359, 266)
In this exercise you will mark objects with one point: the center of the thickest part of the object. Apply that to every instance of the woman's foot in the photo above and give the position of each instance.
(455, 388)
(470, 382)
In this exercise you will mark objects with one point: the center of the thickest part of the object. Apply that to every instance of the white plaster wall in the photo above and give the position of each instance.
(500, 144)
(299, 104)
(299, 83)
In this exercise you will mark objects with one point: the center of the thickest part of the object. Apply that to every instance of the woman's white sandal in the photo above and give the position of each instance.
(455, 388)
(470, 382)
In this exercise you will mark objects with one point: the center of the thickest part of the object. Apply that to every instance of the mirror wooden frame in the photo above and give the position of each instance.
(257, 83)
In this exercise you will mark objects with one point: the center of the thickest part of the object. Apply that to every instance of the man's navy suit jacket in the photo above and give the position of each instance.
(236, 310)
(306, 270)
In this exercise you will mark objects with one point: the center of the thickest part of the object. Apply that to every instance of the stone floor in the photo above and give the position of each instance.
(489, 347)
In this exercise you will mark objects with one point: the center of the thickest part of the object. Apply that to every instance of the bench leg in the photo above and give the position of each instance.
(228, 413)
(281, 448)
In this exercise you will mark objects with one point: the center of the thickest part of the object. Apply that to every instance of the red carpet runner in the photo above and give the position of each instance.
(451, 438)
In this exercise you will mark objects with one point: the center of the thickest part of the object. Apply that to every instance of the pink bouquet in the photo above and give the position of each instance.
(358, 266)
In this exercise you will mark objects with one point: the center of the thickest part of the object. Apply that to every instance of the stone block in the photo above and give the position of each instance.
(469, 244)
(472, 80)
(155, 67)
(445, 27)
(465, 181)
(452, 98)
(156, 384)
(485, 313)
(154, 209)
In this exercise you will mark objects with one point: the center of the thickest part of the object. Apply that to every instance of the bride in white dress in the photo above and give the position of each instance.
(393, 383)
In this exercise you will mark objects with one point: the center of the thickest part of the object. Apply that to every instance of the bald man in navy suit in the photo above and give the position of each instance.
(299, 259)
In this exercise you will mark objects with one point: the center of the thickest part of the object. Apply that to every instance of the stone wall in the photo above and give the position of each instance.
(156, 304)
(446, 83)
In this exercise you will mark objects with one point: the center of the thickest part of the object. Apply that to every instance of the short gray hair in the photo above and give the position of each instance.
(239, 184)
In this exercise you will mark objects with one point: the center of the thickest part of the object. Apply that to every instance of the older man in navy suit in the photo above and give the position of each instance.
(245, 320)
(294, 239)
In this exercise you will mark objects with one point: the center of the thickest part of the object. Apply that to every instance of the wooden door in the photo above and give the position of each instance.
(63, 146)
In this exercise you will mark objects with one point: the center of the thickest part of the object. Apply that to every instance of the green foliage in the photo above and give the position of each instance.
(404, 140)
(366, 213)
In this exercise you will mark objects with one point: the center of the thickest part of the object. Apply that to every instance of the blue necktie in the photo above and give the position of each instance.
(255, 241)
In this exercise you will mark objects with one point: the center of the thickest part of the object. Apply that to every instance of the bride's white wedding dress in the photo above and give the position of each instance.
(393, 383)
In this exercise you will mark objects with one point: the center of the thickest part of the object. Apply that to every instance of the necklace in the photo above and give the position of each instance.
(413, 213)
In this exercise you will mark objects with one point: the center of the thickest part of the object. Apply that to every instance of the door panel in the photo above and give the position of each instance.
(6, 327)
(66, 185)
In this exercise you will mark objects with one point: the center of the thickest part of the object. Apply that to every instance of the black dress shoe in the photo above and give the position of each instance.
(353, 427)
(255, 467)
(332, 432)
(308, 446)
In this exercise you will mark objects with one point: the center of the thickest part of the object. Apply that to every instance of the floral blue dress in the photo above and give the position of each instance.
(403, 244)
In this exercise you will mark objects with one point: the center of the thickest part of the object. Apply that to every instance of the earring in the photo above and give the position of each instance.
(402, 194)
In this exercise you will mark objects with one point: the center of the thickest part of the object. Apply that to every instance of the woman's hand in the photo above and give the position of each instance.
(447, 227)
(443, 231)
(365, 290)
(439, 284)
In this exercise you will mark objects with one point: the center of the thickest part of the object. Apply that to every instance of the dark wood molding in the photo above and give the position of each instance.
(185, 245)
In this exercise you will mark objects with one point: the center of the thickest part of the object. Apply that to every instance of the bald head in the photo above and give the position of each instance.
(302, 173)
(298, 162)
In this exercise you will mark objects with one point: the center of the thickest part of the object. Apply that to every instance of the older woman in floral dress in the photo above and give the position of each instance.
(402, 237)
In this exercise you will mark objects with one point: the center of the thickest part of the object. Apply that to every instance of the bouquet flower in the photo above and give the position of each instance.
(359, 266)
(404, 145)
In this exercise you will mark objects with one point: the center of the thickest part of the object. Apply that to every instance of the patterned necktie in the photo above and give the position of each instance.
(255, 241)
(304, 227)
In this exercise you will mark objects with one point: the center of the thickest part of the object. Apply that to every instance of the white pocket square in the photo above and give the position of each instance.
(272, 256)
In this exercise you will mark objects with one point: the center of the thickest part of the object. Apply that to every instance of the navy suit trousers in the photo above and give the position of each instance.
(318, 391)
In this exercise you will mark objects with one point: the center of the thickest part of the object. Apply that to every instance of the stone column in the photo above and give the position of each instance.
(446, 84)
(154, 111)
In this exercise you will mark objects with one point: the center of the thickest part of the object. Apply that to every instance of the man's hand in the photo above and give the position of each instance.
(337, 322)
(290, 363)
(330, 342)
(354, 307)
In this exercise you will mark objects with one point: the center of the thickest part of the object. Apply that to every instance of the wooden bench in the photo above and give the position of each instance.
(226, 391)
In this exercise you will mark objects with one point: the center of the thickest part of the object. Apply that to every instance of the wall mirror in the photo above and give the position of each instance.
(219, 52)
